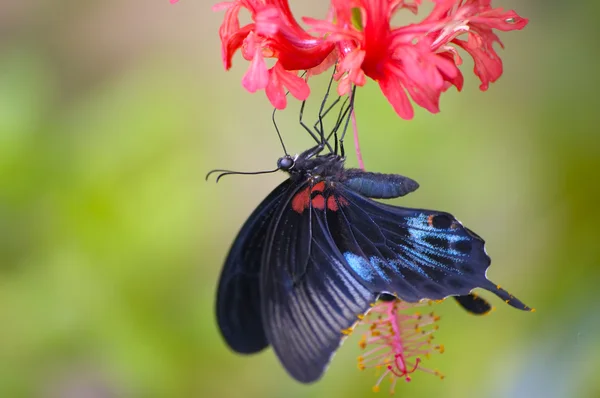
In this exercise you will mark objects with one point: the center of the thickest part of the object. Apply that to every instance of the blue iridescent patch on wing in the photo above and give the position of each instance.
(360, 265)
(367, 269)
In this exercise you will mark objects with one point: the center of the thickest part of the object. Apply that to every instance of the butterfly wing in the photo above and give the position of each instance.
(414, 254)
(238, 294)
(310, 299)
(474, 304)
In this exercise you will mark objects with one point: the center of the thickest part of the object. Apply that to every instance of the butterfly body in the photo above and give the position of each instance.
(318, 251)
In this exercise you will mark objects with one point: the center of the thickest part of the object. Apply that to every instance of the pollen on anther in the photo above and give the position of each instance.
(363, 343)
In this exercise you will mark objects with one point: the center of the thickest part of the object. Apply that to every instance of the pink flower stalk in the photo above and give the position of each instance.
(398, 340)
(420, 60)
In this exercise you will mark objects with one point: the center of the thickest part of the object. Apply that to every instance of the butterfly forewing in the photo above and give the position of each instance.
(305, 317)
(238, 294)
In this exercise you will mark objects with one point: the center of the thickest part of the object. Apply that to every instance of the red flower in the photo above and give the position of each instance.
(476, 18)
(419, 60)
(416, 59)
(398, 340)
(274, 34)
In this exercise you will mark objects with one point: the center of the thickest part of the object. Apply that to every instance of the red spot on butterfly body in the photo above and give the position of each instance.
(302, 200)
(332, 204)
(318, 202)
(318, 187)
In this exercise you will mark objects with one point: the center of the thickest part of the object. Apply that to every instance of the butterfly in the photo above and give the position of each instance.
(319, 250)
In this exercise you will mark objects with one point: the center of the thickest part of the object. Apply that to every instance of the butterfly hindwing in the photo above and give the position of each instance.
(474, 304)
(238, 295)
(412, 253)
(305, 310)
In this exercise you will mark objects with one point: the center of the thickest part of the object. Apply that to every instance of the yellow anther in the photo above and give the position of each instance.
(360, 317)
(375, 388)
(347, 332)
(363, 343)
(498, 287)
(532, 310)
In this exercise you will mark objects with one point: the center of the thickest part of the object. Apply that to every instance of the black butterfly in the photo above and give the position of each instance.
(319, 250)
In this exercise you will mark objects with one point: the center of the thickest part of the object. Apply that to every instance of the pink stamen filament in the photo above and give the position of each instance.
(373, 351)
(361, 163)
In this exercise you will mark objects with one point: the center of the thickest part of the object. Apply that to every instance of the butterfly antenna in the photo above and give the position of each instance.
(231, 172)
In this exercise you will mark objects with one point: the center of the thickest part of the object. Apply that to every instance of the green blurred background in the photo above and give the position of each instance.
(111, 242)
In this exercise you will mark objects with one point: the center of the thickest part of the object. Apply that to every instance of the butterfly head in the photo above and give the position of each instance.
(286, 163)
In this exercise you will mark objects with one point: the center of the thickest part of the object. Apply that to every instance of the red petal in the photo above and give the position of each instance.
(488, 66)
(395, 94)
(296, 85)
(275, 91)
(257, 76)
